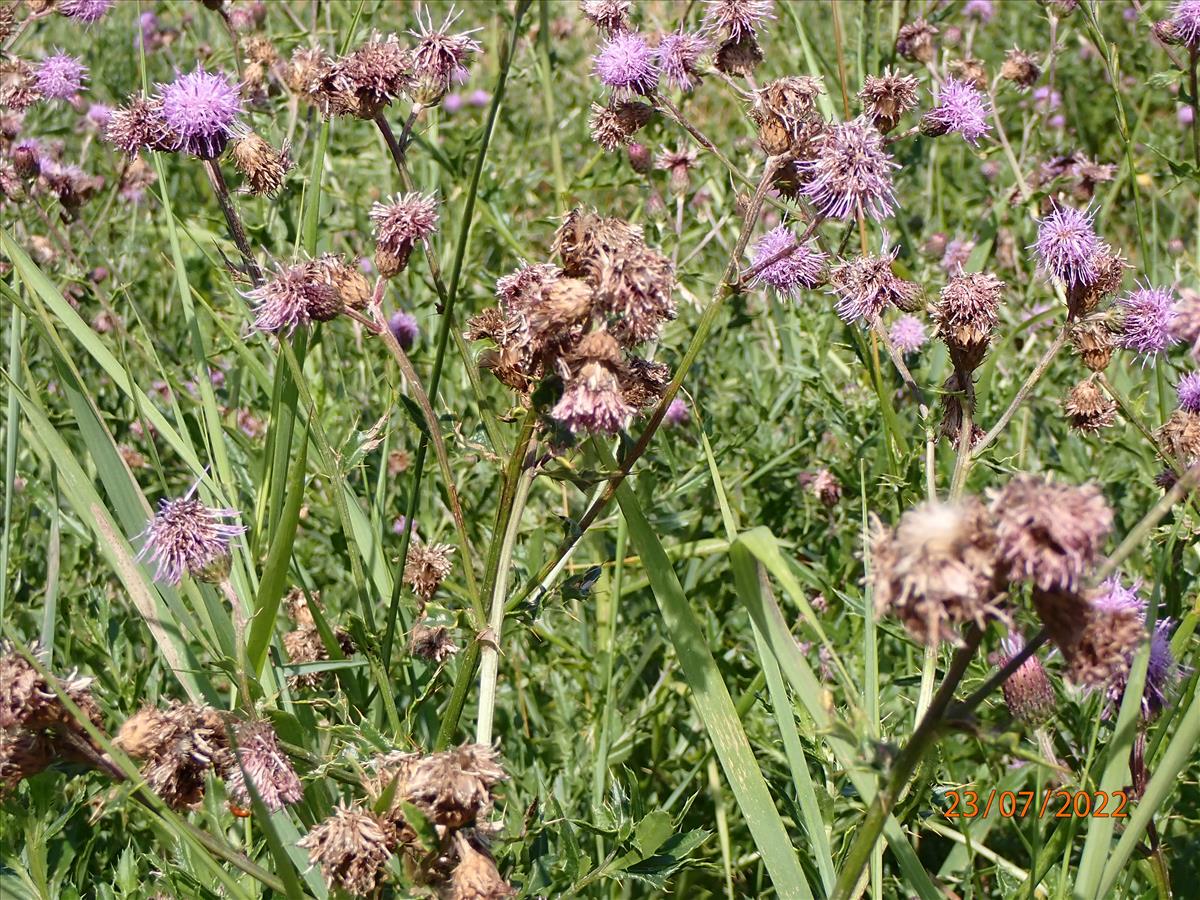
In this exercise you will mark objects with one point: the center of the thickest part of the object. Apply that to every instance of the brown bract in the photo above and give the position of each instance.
(351, 847)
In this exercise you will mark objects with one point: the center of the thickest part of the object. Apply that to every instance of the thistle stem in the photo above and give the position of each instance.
(232, 219)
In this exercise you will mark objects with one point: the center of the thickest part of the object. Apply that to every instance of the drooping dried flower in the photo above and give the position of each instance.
(851, 172)
(454, 787)
(263, 165)
(865, 286)
(633, 286)
(914, 41)
(28, 702)
(1145, 324)
(178, 747)
(364, 81)
(803, 268)
(1050, 534)
(1067, 245)
(296, 295)
(260, 761)
(1088, 408)
(739, 55)
(1109, 269)
(1028, 693)
(785, 111)
(427, 567)
(961, 109)
(185, 537)
(1097, 632)
(1020, 68)
(60, 76)
(907, 334)
(1094, 342)
(139, 125)
(432, 642)
(936, 570)
(887, 97)
(18, 85)
(966, 314)
(610, 17)
(1180, 437)
(613, 125)
(678, 57)
(475, 876)
(627, 64)
(201, 110)
(307, 73)
(737, 18)
(351, 847)
(400, 224)
(440, 58)
(592, 400)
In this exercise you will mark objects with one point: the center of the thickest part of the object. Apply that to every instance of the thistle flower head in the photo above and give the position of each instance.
(1028, 692)
(98, 115)
(475, 874)
(592, 401)
(980, 10)
(454, 787)
(360, 83)
(86, 11)
(1185, 18)
(737, 18)
(887, 97)
(956, 255)
(627, 64)
(914, 41)
(264, 765)
(352, 847)
(1020, 68)
(185, 537)
(1189, 392)
(677, 414)
(961, 109)
(404, 220)
(966, 314)
(427, 566)
(1088, 408)
(609, 16)
(907, 334)
(866, 286)
(177, 747)
(804, 267)
(263, 166)
(678, 55)
(1050, 534)
(296, 295)
(851, 172)
(432, 642)
(1146, 317)
(201, 110)
(137, 126)
(1067, 245)
(440, 58)
(28, 701)
(405, 329)
(60, 76)
(936, 569)
(23, 754)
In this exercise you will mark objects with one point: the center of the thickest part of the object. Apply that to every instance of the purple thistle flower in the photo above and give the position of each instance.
(958, 251)
(60, 77)
(86, 11)
(98, 115)
(677, 413)
(851, 171)
(1066, 245)
(803, 268)
(1184, 115)
(404, 326)
(961, 109)
(201, 109)
(865, 286)
(908, 334)
(296, 295)
(440, 58)
(737, 17)
(479, 97)
(1162, 671)
(678, 54)
(404, 220)
(1185, 16)
(1189, 392)
(185, 537)
(400, 523)
(452, 103)
(983, 10)
(626, 63)
(1146, 317)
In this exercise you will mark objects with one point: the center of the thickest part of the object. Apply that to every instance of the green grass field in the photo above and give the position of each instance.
(720, 565)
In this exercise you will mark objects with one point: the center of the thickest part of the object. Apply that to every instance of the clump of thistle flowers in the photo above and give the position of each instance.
(579, 323)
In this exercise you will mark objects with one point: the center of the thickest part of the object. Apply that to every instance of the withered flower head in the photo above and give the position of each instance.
(263, 165)
(18, 85)
(178, 746)
(634, 288)
(370, 77)
(614, 125)
(792, 101)
(28, 702)
(678, 165)
(307, 73)
(400, 224)
(440, 58)
(475, 876)
(914, 41)
(1020, 68)
(138, 126)
(1096, 632)
(643, 383)
(865, 286)
(592, 400)
(965, 315)
(432, 642)
(823, 485)
(970, 70)
(260, 760)
(609, 16)
(1050, 534)
(22, 755)
(1028, 692)
(1094, 342)
(584, 235)
(297, 295)
(454, 787)
(351, 847)
(1180, 437)
(739, 54)
(936, 570)
(427, 566)
(1088, 408)
(887, 97)
(1109, 268)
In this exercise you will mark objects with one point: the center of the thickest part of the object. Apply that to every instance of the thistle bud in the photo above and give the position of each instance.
(640, 159)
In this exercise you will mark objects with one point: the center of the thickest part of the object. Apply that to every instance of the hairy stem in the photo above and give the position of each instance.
(232, 219)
